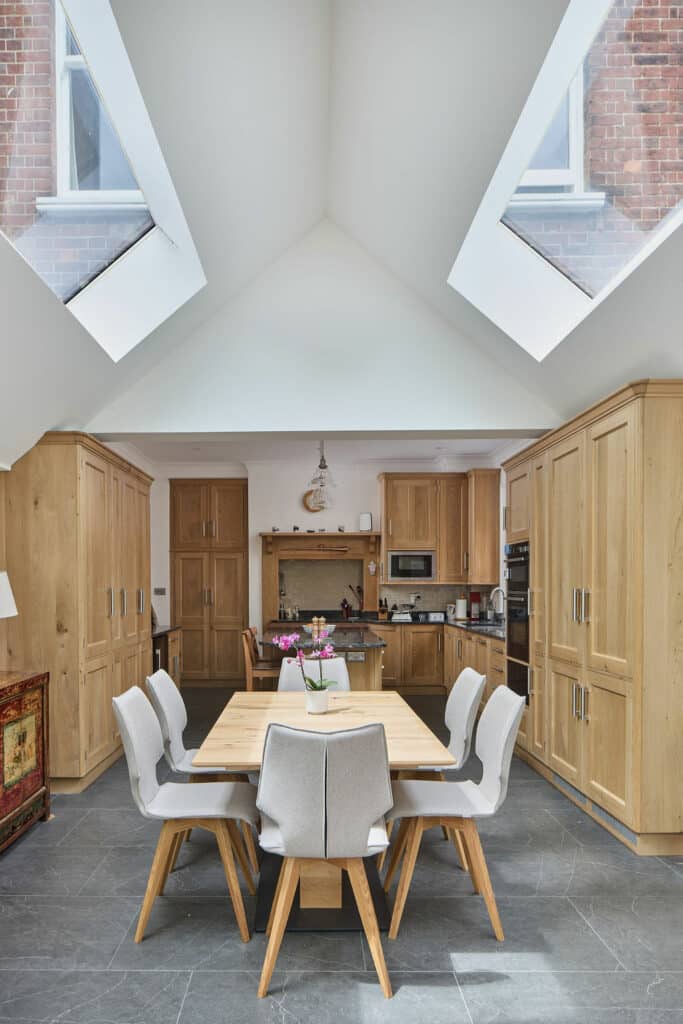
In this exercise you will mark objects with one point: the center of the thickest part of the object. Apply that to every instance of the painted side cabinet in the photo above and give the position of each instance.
(24, 753)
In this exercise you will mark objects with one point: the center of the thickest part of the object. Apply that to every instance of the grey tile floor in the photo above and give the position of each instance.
(593, 933)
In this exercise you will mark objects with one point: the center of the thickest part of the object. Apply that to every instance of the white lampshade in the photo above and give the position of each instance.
(7, 606)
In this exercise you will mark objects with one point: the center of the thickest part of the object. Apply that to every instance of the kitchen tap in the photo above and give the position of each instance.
(492, 595)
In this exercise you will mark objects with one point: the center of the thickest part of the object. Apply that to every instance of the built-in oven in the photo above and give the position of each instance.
(411, 566)
(517, 633)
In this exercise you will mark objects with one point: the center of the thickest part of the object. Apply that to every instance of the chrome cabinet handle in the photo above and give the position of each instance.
(158, 654)
(112, 609)
(575, 604)
(584, 705)
(212, 527)
(390, 530)
(381, 570)
(141, 599)
(175, 664)
(466, 561)
(585, 597)
(124, 601)
(438, 641)
(203, 528)
(528, 602)
(575, 687)
(505, 517)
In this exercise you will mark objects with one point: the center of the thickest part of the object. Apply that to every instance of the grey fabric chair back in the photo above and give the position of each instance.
(495, 742)
(461, 711)
(325, 791)
(290, 677)
(333, 668)
(172, 714)
(142, 742)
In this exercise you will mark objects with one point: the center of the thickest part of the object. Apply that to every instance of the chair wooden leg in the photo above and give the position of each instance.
(250, 846)
(381, 857)
(276, 897)
(460, 847)
(225, 848)
(174, 850)
(156, 877)
(366, 909)
(240, 853)
(478, 861)
(396, 853)
(409, 861)
(472, 867)
(290, 877)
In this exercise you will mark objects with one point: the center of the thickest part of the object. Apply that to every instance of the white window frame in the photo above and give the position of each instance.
(497, 271)
(564, 177)
(65, 63)
(162, 270)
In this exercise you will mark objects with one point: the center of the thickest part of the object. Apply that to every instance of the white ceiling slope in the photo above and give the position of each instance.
(325, 339)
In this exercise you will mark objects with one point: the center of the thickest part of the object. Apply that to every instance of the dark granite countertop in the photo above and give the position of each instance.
(344, 640)
(495, 631)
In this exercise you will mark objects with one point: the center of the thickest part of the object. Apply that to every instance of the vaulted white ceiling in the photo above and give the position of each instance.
(322, 150)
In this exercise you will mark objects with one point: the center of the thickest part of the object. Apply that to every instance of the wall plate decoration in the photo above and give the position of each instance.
(308, 502)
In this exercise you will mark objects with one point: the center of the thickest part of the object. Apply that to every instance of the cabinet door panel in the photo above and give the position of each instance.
(422, 655)
(143, 571)
(228, 595)
(130, 560)
(226, 657)
(411, 511)
(117, 552)
(538, 556)
(612, 543)
(189, 508)
(517, 515)
(453, 529)
(97, 717)
(609, 740)
(95, 548)
(228, 514)
(391, 654)
(483, 543)
(564, 740)
(566, 547)
(538, 711)
(191, 611)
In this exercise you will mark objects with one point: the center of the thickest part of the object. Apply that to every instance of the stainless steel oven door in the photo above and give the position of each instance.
(518, 627)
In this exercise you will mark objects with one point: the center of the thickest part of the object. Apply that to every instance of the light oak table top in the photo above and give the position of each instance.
(236, 740)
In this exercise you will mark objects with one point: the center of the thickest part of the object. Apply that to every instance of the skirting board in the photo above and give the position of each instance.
(645, 844)
(69, 785)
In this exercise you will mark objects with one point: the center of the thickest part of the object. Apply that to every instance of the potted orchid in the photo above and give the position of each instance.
(317, 697)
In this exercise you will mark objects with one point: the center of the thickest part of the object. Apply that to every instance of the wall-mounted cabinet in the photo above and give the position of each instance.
(208, 514)
(606, 553)
(78, 555)
(457, 515)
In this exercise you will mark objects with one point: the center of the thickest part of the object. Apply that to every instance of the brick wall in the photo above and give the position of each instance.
(633, 92)
(67, 248)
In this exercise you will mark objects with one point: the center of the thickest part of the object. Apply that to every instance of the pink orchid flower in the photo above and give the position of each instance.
(327, 651)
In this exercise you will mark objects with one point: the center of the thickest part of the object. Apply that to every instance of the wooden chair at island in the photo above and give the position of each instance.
(256, 669)
(456, 805)
(214, 806)
(323, 797)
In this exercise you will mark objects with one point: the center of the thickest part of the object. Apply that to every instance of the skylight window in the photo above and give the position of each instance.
(592, 179)
(81, 173)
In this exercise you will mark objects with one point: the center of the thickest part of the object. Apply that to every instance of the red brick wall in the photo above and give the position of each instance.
(27, 115)
(633, 98)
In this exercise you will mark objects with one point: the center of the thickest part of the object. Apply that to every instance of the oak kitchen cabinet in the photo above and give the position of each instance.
(422, 655)
(457, 515)
(517, 518)
(209, 575)
(78, 555)
(392, 669)
(606, 564)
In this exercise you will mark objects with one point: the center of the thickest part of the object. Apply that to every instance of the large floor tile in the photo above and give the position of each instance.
(46, 931)
(201, 934)
(323, 998)
(645, 933)
(65, 816)
(572, 998)
(122, 827)
(92, 997)
(35, 870)
(540, 935)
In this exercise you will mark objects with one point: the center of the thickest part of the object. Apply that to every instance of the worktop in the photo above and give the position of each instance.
(342, 639)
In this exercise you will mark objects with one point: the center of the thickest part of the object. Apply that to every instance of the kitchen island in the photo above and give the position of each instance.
(362, 649)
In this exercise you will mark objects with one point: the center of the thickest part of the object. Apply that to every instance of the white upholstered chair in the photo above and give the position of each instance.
(333, 668)
(323, 796)
(172, 714)
(214, 806)
(457, 805)
(460, 714)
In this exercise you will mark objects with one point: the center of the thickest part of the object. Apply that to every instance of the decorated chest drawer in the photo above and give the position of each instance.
(24, 788)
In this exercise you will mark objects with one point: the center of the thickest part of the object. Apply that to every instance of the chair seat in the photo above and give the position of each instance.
(424, 799)
(266, 666)
(270, 837)
(205, 800)
(185, 765)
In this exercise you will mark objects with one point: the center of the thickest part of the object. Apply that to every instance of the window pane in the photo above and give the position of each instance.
(67, 245)
(633, 115)
(97, 160)
(553, 151)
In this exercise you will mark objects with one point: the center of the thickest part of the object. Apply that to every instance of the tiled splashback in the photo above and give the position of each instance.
(323, 584)
(434, 598)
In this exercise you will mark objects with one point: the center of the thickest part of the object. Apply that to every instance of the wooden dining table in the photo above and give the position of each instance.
(235, 743)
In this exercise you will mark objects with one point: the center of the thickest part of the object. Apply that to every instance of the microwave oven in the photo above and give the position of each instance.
(411, 566)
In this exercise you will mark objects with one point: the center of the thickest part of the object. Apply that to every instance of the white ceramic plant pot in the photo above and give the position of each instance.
(317, 701)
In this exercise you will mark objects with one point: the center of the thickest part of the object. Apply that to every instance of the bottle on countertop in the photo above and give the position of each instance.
(475, 604)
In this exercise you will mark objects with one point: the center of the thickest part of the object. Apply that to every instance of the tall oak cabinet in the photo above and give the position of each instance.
(77, 536)
(604, 502)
